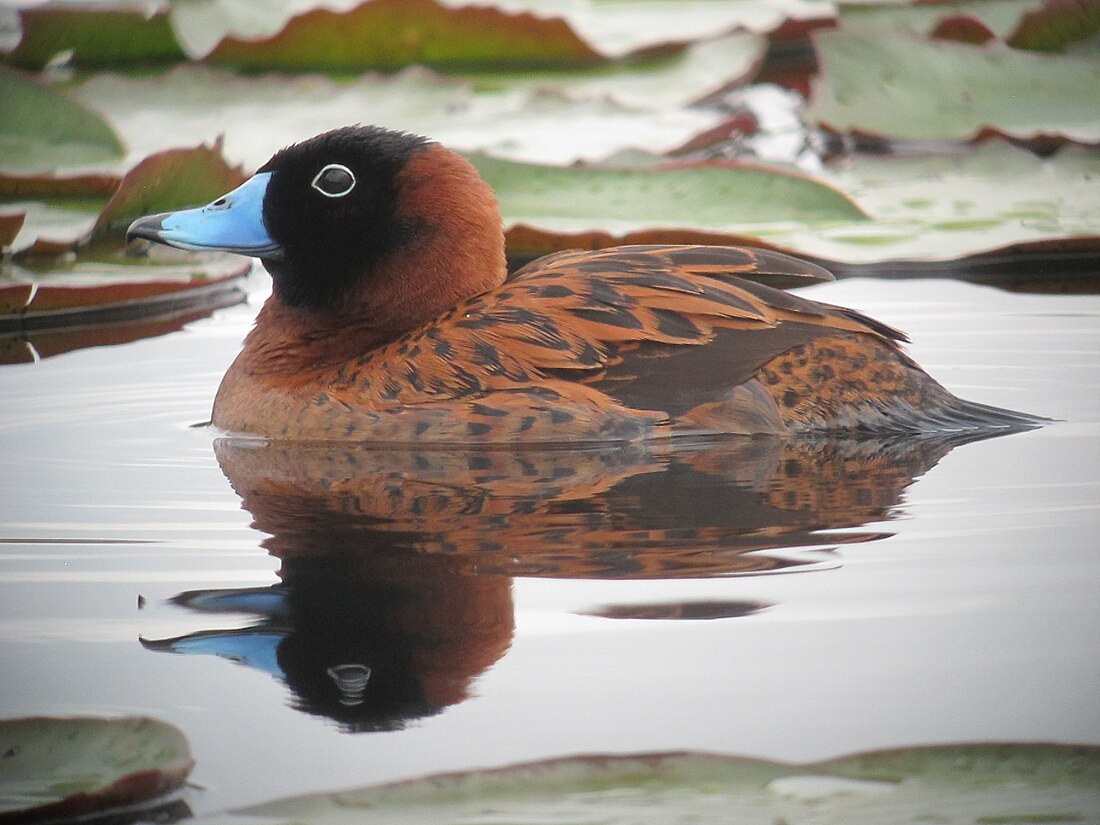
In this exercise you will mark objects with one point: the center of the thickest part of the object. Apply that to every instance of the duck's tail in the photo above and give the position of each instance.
(946, 415)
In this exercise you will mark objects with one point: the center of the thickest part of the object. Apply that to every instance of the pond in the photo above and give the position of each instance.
(317, 618)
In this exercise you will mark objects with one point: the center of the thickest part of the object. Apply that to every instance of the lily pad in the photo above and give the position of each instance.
(167, 180)
(998, 17)
(946, 784)
(54, 187)
(932, 214)
(622, 27)
(391, 34)
(1037, 25)
(95, 37)
(10, 226)
(678, 80)
(1058, 24)
(518, 117)
(199, 25)
(53, 768)
(901, 85)
(713, 195)
(89, 279)
(41, 126)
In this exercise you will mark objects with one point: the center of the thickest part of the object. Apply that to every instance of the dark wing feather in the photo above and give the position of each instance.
(762, 266)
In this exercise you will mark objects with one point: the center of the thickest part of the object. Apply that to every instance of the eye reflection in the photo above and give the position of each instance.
(334, 181)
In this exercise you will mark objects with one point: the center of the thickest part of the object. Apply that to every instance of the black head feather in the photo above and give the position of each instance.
(329, 241)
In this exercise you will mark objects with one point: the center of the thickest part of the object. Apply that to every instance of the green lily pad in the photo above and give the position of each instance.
(943, 207)
(86, 277)
(623, 27)
(199, 25)
(391, 34)
(1037, 25)
(1016, 783)
(43, 127)
(900, 85)
(520, 32)
(96, 37)
(678, 80)
(1059, 24)
(58, 208)
(167, 180)
(998, 17)
(713, 195)
(53, 768)
(518, 117)
(923, 210)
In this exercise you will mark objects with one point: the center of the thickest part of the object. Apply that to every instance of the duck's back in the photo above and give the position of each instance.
(635, 342)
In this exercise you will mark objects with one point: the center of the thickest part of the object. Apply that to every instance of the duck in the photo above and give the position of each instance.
(393, 318)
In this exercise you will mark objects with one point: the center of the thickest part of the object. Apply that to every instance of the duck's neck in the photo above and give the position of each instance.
(453, 251)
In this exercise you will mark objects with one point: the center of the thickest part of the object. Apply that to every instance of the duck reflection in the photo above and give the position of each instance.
(397, 562)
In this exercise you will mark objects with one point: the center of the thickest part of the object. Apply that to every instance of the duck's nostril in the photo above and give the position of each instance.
(219, 202)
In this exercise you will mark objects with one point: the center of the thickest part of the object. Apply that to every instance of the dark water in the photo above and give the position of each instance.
(380, 613)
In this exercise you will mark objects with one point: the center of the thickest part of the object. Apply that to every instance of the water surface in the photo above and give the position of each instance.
(315, 618)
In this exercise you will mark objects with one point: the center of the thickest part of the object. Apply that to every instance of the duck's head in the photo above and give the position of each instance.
(359, 220)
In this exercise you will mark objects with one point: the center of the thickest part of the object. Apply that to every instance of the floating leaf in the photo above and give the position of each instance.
(512, 116)
(10, 226)
(1056, 25)
(44, 127)
(50, 187)
(971, 783)
(53, 768)
(167, 180)
(962, 29)
(199, 25)
(921, 210)
(701, 196)
(125, 35)
(1039, 25)
(391, 34)
(900, 85)
(678, 80)
(998, 17)
(96, 37)
(88, 280)
(623, 27)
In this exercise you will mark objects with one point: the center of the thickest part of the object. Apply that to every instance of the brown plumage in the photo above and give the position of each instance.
(392, 320)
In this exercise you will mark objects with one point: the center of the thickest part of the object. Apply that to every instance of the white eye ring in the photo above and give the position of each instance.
(316, 183)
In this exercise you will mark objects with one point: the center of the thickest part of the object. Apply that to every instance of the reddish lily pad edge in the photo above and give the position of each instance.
(139, 786)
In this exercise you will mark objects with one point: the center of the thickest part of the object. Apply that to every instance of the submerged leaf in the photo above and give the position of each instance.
(43, 127)
(53, 768)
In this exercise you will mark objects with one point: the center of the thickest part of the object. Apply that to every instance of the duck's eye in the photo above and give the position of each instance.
(334, 181)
